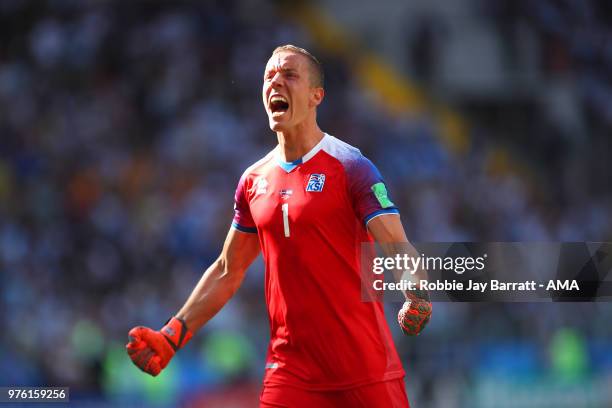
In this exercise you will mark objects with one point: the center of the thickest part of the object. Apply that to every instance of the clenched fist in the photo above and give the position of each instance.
(151, 350)
(414, 315)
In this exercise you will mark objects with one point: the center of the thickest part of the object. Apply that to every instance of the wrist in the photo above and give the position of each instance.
(417, 295)
(176, 333)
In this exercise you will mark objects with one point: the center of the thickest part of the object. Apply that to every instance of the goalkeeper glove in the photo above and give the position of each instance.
(414, 315)
(151, 350)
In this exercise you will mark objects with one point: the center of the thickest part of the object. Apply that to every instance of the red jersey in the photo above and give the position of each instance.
(310, 216)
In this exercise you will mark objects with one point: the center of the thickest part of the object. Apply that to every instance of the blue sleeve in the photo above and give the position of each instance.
(368, 190)
(243, 221)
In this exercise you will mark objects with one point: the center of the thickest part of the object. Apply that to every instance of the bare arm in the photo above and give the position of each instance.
(388, 231)
(151, 350)
(414, 315)
(221, 280)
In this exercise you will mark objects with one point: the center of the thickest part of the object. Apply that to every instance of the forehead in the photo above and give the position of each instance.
(286, 60)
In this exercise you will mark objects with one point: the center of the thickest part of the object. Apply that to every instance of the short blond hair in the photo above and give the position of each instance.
(316, 69)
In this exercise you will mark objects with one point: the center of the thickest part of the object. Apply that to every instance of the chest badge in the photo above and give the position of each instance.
(316, 183)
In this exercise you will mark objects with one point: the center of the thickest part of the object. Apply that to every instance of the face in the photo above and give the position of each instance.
(288, 95)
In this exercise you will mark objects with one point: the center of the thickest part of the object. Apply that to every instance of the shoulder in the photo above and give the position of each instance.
(351, 158)
(340, 150)
(259, 166)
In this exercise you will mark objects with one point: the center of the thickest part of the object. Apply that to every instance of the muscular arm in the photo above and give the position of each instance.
(221, 280)
(151, 350)
(389, 233)
(414, 315)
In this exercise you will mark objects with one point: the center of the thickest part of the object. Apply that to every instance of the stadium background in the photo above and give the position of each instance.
(126, 125)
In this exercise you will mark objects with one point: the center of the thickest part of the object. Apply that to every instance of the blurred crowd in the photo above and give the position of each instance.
(126, 125)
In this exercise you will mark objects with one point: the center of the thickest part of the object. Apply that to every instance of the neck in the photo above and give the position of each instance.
(295, 143)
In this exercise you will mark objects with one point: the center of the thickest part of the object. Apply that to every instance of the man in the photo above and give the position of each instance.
(308, 205)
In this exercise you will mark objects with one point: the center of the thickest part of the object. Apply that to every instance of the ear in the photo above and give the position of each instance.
(316, 96)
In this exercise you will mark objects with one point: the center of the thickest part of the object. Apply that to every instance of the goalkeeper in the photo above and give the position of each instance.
(307, 205)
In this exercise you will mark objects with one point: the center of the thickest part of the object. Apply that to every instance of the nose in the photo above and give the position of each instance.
(276, 80)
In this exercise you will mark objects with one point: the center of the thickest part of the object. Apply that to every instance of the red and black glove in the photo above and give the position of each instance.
(151, 350)
(414, 315)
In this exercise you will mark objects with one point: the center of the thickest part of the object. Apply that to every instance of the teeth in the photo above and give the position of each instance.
(278, 98)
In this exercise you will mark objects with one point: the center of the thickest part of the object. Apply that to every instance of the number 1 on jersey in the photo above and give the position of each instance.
(285, 208)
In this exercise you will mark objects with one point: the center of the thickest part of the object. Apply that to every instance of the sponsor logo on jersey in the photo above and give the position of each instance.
(380, 191)
(285, 193)
(261, 185)
(316, 182)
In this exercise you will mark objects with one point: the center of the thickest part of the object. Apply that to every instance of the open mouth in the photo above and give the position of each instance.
(278, 104)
